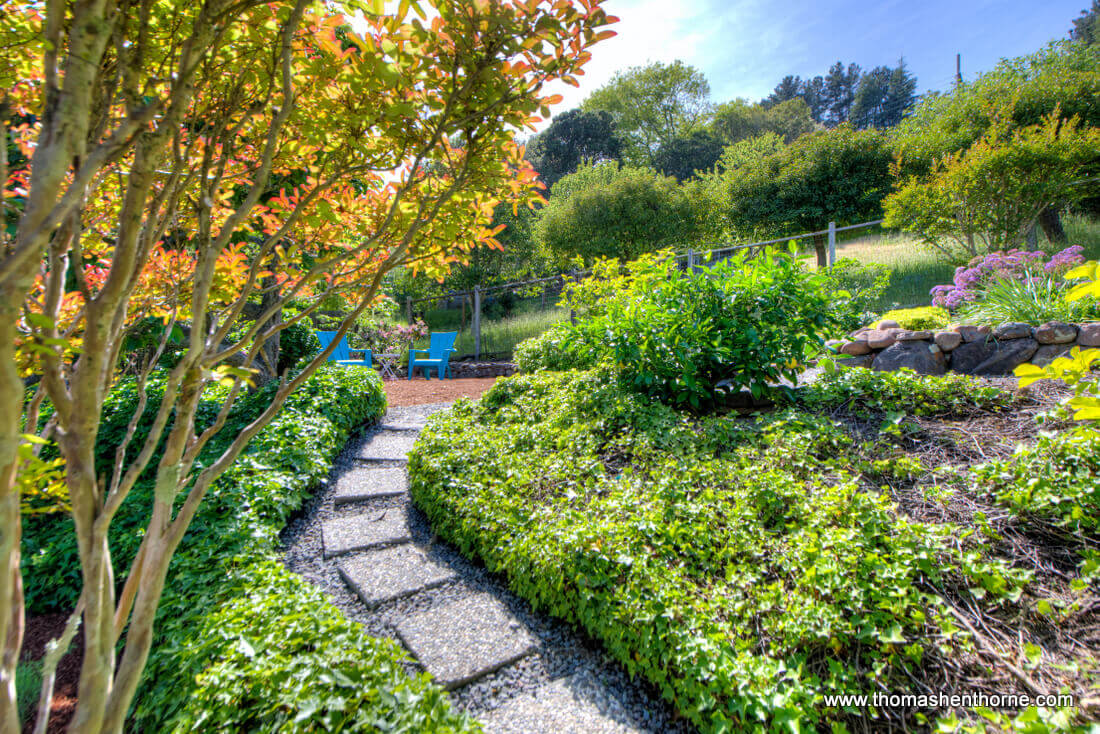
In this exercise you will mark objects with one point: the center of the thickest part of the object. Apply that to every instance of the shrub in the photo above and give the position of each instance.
(917, 319)
(735, 565)
(296, 342)
(607, 211)
(676, 335)
(242, 644)
(864, 284)
(555, 349)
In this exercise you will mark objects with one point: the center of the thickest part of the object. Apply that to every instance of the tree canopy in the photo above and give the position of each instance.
(572, 137)
(651, 105)
(608, 210)
(765, 188)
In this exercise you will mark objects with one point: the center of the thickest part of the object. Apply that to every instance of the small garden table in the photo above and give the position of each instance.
(387, 364)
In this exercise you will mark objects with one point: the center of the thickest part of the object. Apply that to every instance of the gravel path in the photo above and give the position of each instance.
(564, 661)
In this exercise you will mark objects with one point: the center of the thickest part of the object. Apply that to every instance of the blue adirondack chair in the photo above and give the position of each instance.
(438, 355)
(342, 353)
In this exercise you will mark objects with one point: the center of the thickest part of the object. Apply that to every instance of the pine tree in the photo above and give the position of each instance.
(839, 92)
(1086, 27)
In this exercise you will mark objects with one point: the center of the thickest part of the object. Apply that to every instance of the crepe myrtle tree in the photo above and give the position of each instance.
(186, 161)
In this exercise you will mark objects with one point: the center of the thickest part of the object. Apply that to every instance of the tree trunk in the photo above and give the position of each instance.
(1051, 222)
(819, 247)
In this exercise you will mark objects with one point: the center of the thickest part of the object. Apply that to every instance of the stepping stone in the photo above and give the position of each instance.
(386, 446)
(391, 573)
(355, 485)
(403, 424)
(579, 704)
(368, 530)
(465, 639)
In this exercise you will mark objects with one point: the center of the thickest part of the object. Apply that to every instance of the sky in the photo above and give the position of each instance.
(744, 47)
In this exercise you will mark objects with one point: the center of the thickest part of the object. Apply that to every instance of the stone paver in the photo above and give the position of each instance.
(579, 704)
(465, 639)
(368, 530)
(391, 573)
(403, 424)
(386, 446)
(358, 484)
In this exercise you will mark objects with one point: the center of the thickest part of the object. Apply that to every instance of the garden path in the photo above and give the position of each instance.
(514, 670)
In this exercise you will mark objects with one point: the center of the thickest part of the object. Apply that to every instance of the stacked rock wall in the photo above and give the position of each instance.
(972, 350)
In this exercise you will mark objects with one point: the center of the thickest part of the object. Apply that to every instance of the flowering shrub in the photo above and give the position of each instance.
(973, 278)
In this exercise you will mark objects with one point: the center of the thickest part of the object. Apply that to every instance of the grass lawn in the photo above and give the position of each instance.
(500, 335)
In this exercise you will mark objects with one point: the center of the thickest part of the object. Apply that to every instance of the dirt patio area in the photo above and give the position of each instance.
(419, 391)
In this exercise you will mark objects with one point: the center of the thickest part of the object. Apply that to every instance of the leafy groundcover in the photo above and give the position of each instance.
(746, 566)
(243, 644)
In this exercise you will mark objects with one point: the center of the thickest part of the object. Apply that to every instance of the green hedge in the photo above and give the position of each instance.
(739, 566)
(241, 643)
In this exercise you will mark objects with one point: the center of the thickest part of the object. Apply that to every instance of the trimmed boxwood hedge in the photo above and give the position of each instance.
(738, 565)
(242, 644)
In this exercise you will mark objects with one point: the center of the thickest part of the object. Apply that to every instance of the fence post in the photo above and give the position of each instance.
(409, 309)
(476, 321)
(691, 261)
(832, 244)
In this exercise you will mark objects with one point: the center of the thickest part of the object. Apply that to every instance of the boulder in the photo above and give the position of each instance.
(972, 333)
(889, 324)
(992, 357)
(855, 348)
(1047, 353)
(921, 357)
(948, 340)
(1012, 330)
(1088, 335)
(834, 344)
(864, 361)
(1055, 332)
(912, 336)
(881, 338)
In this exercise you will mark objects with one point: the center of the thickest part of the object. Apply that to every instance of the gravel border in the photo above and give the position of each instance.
(561, 652)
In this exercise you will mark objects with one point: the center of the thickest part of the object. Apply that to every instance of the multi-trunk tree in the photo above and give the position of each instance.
(203, 163)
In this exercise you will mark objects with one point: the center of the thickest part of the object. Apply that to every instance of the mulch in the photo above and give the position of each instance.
(419, 391)
(40, 630)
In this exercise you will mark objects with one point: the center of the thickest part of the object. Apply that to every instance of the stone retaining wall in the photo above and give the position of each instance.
(972, 350)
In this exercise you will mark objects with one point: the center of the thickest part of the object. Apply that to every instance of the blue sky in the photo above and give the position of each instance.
(746, 46)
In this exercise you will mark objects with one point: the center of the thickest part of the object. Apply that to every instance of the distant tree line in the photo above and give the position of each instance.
(648, 161)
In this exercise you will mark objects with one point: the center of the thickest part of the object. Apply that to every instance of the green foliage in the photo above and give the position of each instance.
(241, 643)
(738, 120)
(919, 318)
(28, 684)
(675, 335)
(1053, 481)
(836, 175)
(864, 392)
(884, 96)
(608, 211)
(988, 197)
(1033, 300)
(1063, 77)
(651, 105)
(555, 349)
(572, 137)
(685, 155)
(864, 284)
(297, 342)
(736, 565)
